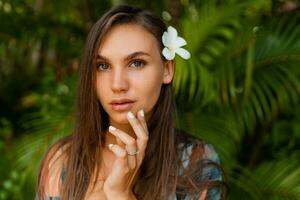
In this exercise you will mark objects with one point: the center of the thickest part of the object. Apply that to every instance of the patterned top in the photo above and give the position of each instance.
(210, 172)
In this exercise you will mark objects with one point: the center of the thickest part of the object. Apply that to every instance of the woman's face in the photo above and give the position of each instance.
(130, 68)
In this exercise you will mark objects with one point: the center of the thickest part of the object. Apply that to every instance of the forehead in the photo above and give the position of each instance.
(126, 38)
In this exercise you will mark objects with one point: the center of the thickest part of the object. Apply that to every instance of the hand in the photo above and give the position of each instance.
(120, 181)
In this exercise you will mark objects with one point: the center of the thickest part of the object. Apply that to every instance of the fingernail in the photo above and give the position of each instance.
(111, 128)
(141, 113)
(130, 115)
(110, 145)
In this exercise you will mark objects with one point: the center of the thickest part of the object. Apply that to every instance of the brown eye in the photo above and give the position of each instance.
(102, 66)
(138, 63)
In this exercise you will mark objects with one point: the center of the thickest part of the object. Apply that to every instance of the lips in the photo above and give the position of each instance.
(120, 105)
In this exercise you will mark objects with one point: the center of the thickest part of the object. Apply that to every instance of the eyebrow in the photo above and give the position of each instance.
(129, 57)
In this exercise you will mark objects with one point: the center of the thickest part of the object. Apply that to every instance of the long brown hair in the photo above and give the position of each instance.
(158, 176)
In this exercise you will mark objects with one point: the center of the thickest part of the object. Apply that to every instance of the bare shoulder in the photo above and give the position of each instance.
(49, 180)
(56, 154)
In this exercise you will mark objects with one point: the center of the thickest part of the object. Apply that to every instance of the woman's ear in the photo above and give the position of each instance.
(169, 68)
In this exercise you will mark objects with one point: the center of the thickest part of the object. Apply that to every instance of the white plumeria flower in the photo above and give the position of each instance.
(173, 44)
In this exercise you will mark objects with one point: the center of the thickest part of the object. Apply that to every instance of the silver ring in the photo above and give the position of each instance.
(132, 154)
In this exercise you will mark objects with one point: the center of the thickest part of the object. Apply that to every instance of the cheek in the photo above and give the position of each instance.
(148, 88)
(100, 88)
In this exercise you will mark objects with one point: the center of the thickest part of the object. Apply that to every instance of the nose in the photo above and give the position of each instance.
(119, 81)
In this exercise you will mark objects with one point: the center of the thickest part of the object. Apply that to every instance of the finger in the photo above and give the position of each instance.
(142, 136)
(120, 167)
(123, 137)
(130, 143)
(141, 117)
(120, 143)
(120, 153)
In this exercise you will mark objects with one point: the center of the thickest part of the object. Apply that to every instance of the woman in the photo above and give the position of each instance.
(125, 144)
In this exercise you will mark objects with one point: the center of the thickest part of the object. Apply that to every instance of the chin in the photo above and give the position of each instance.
(120, 118)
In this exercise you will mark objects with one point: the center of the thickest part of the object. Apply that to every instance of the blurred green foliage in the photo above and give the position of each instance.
(240, 91)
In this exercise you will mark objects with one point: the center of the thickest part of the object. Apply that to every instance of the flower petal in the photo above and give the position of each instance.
(165, 39)
(183, 53)
(172, 33)
(179, 42)
(169, 55)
